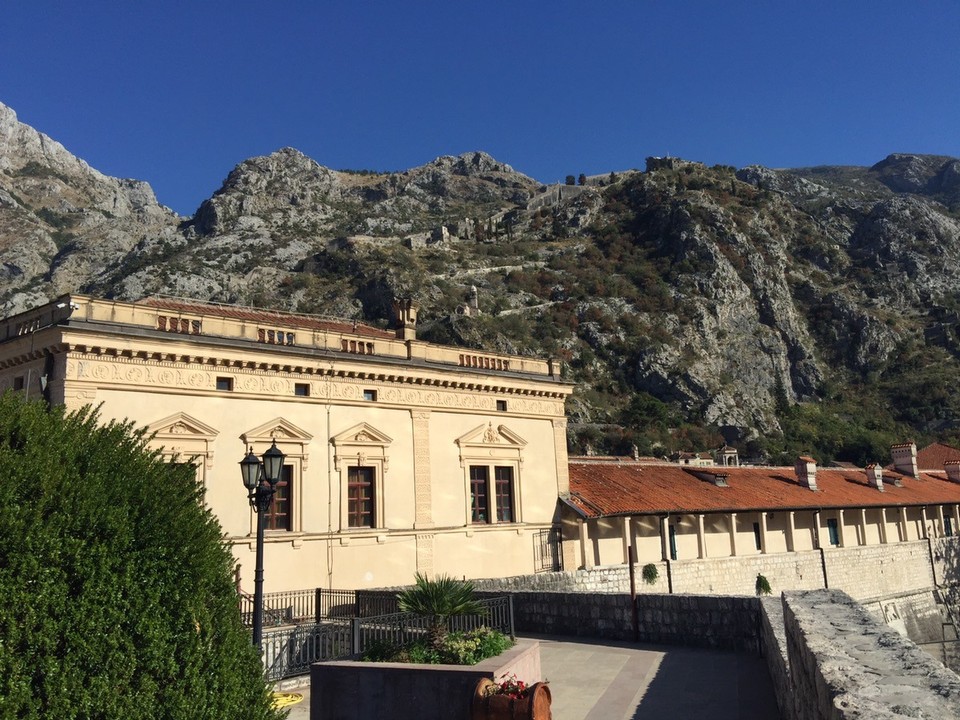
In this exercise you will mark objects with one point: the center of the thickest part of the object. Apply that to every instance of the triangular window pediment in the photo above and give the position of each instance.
(490, 435)
(181, 425)
(362, 434)
(277, 429)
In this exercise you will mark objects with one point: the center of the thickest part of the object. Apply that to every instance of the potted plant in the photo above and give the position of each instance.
(510, 698)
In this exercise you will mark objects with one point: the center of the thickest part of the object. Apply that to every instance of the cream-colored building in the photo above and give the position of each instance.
(401, 456)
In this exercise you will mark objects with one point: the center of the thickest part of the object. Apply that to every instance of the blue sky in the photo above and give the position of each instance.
(177, 93)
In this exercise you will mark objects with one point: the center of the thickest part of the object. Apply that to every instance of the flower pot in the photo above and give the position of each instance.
(534, 706)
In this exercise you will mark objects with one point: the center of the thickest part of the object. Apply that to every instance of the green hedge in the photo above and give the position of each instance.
(117, 596)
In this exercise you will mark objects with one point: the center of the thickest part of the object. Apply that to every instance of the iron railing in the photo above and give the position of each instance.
(282, 608)
(290, 651)
(355, 603)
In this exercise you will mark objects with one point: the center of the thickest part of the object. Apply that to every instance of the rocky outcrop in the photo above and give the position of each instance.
(722, 295)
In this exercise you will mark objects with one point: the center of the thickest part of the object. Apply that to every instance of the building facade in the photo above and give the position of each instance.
(401, 456)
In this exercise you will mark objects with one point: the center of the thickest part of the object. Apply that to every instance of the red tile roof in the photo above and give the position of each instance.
(632, 488)
(933, 456)
(273, 317)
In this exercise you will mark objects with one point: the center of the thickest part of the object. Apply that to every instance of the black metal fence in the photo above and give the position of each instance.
(289, 607)
(290, 651)
(355, 603)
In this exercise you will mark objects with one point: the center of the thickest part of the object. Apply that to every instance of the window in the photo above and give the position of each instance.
(481, 492)
(833, 530)
(501, 405)
(478, 494)
(672, 532)
(504, 487)
(947, 524)
(225, 384)
(278, 516)
(370, 395)
(301, 389)
(18, 382)
(360, 485)
(756, 536)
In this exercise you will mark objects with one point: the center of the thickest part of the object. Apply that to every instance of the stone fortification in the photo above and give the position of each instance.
(844, 665)
(872, 571)
(708, 621)
(738, 575)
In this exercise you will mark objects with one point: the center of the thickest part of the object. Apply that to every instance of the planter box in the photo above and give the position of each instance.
(354, 690)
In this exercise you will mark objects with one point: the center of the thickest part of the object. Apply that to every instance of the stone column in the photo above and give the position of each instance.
(883, 526)
(664, 538)
(840, 533)
(701, 538)
(923, 523)
(904, 536)
(627, 540)
(956, 519)
(733, 534)
(863, 525)
(816, 529)
(939, 531)
(763, 533)
(582, 530)
(791, 545)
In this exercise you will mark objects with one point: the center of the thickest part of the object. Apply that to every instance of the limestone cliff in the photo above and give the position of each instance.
(679, 297)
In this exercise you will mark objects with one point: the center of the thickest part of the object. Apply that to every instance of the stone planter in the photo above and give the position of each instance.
(354, 690)
(535, 706)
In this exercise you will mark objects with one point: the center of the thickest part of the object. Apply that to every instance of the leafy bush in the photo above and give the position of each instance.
(466, 648)
(762, 585)
(650, 573)
(118, 600)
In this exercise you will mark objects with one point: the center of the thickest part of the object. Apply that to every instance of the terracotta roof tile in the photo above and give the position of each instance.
(602, 489)
(933, 456)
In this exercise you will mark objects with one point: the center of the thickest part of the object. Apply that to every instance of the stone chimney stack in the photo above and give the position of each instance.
(905, 458)
(875, 476)
(406, 310)
(806, 469)
(953, 470)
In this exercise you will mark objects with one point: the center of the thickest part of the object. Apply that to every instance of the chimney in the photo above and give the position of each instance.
(905, 458)
(406, 312)
(806, 468)
(875, 476)
(953, 470)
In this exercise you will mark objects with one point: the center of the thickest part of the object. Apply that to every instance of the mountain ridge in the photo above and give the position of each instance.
(692, 305)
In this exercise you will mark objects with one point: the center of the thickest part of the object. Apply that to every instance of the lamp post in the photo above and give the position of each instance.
(260, 478)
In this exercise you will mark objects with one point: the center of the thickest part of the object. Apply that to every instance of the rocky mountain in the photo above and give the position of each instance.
(811, 309)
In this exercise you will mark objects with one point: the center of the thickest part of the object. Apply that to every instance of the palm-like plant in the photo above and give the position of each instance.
(439, 600)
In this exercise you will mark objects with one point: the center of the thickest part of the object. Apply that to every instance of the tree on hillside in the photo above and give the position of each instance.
(582, 179)
(118, 600)
(570, 180)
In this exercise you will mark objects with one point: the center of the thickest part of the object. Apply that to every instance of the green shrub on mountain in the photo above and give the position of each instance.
(117, 593)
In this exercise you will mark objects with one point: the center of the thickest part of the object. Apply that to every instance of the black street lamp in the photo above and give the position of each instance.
(260, 478)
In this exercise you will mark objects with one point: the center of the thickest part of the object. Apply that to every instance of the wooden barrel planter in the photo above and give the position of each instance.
(535, 706)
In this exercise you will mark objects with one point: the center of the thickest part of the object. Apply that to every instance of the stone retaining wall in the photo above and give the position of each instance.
(871, 571)
(845, 665)
(738, 575)
(708, 621)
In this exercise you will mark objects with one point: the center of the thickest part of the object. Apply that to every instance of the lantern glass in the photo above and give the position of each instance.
(250, 469)
(273, 464)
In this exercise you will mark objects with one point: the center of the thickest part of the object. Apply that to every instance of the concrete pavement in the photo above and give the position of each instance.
(608, 680)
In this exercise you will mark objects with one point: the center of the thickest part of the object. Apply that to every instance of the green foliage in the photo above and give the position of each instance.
(650, 573)
(762, 585)
(118, 600)
(569, 180)
(439, 599)
(466, 648)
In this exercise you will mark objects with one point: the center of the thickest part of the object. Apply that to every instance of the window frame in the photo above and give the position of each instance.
(370, 483)
(491, 448)
(287, 474)
(362, 446)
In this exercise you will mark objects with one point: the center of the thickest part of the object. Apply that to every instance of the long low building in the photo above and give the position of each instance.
(668, 511)
(401, 455)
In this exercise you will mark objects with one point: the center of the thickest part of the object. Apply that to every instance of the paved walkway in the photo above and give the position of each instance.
(609, 680)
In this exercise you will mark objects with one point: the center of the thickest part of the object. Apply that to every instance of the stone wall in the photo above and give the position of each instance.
(738, 575)
(773, 639)
(845, 665)
(873, 571)
(708, 621)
